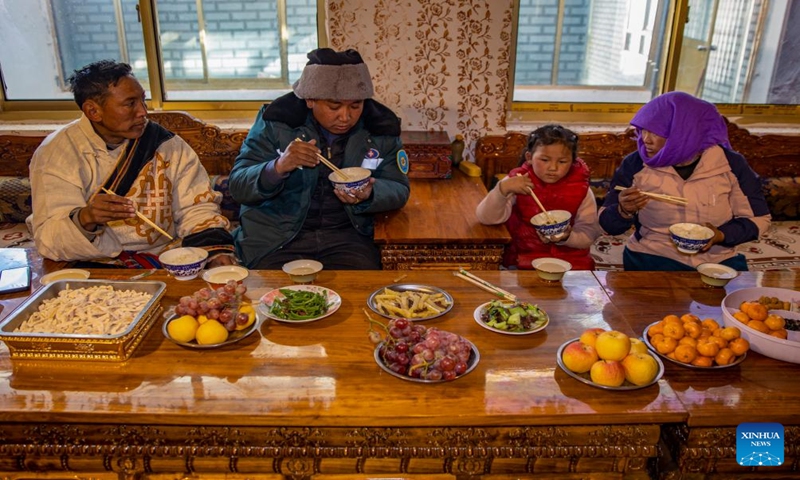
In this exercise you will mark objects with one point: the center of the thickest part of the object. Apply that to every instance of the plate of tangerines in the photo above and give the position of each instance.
(691, 342)
(610, 360)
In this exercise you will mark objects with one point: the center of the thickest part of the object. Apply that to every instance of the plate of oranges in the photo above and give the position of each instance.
(691, 342)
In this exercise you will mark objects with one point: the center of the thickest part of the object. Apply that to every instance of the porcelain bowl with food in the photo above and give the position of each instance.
(690, 237)
(551, 269)
(715, 274)
(785, 349)
(302, 271)
(555, 224)
(357, 178)
(184, 263)
(219, 276)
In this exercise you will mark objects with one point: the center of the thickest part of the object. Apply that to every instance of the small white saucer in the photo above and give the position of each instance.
(66, 274)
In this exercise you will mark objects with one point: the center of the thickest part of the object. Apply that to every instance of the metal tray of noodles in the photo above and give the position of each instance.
(116, 347)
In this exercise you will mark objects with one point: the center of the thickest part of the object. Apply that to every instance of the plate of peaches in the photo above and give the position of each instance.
(688, 341)
(609, 360)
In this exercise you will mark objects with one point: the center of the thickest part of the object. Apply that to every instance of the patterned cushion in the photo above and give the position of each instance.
(783, 197)
(15, 199)
(229, 206)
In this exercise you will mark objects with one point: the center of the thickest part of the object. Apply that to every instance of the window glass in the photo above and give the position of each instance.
(233, 50)
(52, 39)
(210, 49)
(589, 51)
(741, 51)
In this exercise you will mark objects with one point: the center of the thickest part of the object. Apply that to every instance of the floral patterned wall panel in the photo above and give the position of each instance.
(441, 65)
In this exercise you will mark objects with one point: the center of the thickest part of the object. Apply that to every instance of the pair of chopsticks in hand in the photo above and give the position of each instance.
(329, 165)
(465, 275)
(659, 196)
(144, 219)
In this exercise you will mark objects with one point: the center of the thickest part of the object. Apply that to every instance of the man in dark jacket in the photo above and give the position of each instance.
(290, 209)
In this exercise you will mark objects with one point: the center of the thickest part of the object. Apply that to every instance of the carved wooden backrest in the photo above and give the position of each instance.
(216, 148)
(769, 155)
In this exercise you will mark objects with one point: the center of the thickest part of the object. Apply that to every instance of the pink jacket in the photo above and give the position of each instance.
(722, 190)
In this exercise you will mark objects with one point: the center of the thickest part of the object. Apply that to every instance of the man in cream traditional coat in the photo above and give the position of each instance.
(89, 178)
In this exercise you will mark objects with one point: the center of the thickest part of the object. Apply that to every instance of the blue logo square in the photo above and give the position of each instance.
(759, 444)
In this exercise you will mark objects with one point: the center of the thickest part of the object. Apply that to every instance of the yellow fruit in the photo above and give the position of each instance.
(251, 316)
(183, 329)
(211, 333)
(201, 319)
(640, 368)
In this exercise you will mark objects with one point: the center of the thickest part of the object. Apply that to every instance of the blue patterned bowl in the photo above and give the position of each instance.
(542, 225)
(690, 237)
(357, 178)
(184, 263)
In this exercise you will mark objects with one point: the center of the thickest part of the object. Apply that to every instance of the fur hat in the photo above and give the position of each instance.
(332, 75)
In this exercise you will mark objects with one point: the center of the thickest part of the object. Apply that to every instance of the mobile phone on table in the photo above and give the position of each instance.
(15, 279)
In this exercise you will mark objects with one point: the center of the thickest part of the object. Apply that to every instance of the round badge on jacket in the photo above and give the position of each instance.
(402, 161)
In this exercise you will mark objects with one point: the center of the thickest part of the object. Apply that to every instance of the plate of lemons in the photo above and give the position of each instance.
(202, 332)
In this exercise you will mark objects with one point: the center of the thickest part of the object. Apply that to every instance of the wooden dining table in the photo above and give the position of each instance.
(309, 401)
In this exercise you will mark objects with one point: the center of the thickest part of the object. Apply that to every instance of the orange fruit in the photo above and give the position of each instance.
(758, 326)
(656, 339)
(703, 361)
(754, 310)
(739, 346)
(724, 357)
(685, 353)
(729, 333)
(688, 341)
(742, 317)
(708, 348)
(710, 324)
(779, 333)
(721, 342)
(671, 355)
(666, 345)
(775, 322)
(688, 317)
(674, 330)
(692, 329)
(655, 328)
(671, 318)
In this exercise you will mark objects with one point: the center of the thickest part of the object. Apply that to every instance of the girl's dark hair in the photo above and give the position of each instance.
(92, 81)
(549, 135)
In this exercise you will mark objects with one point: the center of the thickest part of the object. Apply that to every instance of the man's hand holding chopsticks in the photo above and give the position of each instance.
(103, 208)
(298, 154)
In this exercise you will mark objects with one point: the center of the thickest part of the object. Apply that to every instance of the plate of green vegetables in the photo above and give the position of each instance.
(511, 318)
(300, 303)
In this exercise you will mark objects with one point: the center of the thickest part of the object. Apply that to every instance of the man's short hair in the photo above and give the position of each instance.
(92, 81)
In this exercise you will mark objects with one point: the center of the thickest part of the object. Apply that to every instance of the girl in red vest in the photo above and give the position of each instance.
(549, 166)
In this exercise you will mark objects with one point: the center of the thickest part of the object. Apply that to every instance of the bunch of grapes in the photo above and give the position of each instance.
(221, 304)
(419, 352)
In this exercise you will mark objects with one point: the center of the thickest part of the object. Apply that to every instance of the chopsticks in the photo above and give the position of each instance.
(546, 213)
(144, 219)
(329, 164)
(659, 196)
(465, 275)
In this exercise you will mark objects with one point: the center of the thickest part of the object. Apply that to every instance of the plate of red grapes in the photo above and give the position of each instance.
(212, 318)
(416, 353)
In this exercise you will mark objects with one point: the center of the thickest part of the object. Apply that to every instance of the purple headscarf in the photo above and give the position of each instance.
(689, 124)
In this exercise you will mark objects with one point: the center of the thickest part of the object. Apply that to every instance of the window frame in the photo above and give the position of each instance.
(16, 110)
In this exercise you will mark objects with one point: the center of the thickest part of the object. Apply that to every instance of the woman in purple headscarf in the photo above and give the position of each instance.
(683, 150)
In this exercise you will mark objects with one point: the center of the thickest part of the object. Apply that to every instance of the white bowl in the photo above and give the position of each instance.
(542, 224)
(689, 238)
(302, 271)
(357, 177)
(221, 275)
(767, 345)
(66, 274)
(551, 269)
(715, 274)
(184, 263)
